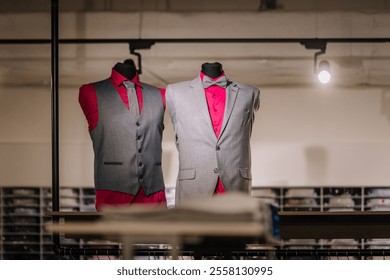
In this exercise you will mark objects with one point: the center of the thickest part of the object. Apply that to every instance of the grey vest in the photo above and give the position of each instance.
(128, 149)
(202, 156)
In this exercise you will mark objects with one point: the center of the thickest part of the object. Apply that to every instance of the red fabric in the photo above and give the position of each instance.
(219, 189)
(104, 197)
(88, 100)
(89, 105)
(216, 101)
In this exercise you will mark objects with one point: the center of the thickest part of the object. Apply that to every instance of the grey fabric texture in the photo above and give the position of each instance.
(128, 149)
(133, 99)
(208, 82)
(202, 156)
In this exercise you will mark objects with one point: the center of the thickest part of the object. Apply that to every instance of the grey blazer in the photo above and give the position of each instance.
(202, 156)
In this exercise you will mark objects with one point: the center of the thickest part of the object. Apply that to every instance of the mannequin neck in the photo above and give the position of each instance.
(127, 70)
(212, 70)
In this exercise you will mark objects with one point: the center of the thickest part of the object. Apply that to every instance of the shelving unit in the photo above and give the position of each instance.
(21, 220)
(329, 199)
(324, 199)
(23, 215)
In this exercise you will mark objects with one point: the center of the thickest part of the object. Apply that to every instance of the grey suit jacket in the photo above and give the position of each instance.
(202, 156)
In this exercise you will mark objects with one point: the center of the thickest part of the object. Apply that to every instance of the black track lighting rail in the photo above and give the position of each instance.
(152, 41)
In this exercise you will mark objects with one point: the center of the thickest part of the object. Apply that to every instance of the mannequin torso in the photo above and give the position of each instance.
(97, 109)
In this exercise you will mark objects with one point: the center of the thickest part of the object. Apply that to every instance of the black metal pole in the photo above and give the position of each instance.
(54, 115)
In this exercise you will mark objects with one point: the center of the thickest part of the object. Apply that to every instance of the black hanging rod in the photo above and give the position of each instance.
(192, 40)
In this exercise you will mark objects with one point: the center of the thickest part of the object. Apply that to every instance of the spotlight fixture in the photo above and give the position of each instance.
(323, 72)
(323, 69)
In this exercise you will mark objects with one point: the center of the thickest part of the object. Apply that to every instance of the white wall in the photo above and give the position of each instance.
(324, 136)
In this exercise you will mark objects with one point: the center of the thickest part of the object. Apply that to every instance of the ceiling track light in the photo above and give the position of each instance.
(323, 72)
(323, 69)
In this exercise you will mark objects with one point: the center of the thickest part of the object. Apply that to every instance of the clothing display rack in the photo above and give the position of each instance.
(139, 44)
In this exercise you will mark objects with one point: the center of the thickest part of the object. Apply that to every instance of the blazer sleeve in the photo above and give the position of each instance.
(169, 103)
(170, 97)
(257, 99)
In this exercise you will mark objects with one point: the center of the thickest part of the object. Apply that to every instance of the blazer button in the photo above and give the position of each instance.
(137, 123)
(139, 137)
(217, 148)
(140, 164)
(141, 177)
(215, 170)
(140, 150)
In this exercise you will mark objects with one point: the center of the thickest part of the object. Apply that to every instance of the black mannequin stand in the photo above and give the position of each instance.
(212, 70)
(126, 68)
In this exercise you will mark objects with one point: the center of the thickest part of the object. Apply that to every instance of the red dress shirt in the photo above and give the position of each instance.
(216, 101)
(89, 105)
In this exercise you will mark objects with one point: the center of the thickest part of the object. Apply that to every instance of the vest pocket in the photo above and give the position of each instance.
(106, 175)
(246, 173)
(113, 163)
(186, 174)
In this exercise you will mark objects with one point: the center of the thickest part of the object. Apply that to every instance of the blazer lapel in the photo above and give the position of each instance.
(201, 102)
(231, 95)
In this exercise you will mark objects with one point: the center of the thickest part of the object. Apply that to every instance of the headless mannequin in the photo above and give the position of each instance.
(212, 70)
(126, 69)
(88, 99)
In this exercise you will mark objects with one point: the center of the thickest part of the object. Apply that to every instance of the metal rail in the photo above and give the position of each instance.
(191, 40)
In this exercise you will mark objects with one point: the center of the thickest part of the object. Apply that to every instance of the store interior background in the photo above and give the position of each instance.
(305, 134)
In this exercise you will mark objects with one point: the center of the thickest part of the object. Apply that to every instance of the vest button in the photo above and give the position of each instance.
(141, 177)
(139, 137)
(215, 170)
(137, 123)
(140, 164)
(140, 150)
(217, 148)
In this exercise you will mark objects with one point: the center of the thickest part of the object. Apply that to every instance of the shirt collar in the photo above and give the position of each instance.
(118, 79)
(216, 78)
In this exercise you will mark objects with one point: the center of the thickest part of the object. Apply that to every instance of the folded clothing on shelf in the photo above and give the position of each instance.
(301, 202)
(380, 208)
(379, 192)
(378, 202)
(300, 192)
(344, 200)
